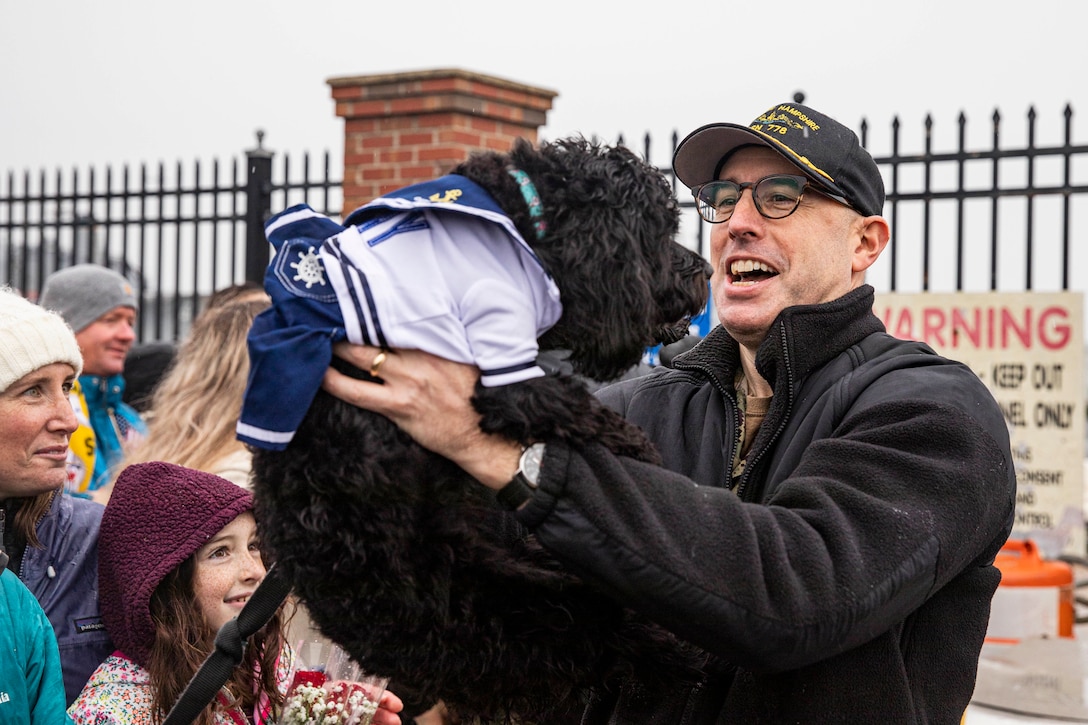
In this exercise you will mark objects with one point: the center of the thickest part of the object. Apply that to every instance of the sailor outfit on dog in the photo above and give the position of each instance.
(436, 266)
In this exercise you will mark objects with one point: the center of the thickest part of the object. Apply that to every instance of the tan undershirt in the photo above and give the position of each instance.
(753, 410)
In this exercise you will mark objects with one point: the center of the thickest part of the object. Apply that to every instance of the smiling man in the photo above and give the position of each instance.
(100, 306)
(831, 499)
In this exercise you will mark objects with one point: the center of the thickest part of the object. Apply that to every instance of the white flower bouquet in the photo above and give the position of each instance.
(333, 690)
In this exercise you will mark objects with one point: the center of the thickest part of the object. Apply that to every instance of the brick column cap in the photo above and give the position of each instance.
(402, 128)
(379, 82)
(440, 90)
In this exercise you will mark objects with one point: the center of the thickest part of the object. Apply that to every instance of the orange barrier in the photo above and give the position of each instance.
(1035, 598)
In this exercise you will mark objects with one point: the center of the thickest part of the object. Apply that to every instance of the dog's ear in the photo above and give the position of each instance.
(490, 170)
(611, 221)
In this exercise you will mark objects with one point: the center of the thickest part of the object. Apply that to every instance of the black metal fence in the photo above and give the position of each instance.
(978, 217)
(1042, 182)
(178, 234)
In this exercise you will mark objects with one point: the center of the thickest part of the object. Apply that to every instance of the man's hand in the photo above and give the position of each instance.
(429, 398)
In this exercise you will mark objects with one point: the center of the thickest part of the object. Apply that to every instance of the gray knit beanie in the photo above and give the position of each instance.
(158, 515)
(31, 338)
(85, 292)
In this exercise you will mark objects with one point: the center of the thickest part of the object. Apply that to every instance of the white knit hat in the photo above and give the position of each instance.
(31, 338)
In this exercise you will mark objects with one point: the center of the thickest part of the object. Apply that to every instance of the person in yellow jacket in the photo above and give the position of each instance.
(100, 306)
(81, 446)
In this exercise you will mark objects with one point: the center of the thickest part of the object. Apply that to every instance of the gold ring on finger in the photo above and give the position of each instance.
(377, 364)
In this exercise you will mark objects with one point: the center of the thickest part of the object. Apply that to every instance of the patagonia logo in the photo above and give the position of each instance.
(89, 624)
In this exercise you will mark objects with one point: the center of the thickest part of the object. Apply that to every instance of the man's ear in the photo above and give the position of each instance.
(872, 235)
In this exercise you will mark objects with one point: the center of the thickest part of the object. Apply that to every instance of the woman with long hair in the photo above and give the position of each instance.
(178, 558)
(196, 405)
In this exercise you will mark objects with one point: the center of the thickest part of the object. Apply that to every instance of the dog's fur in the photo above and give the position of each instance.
(410, 564)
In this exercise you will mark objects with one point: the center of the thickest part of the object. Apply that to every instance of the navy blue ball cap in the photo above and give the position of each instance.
(822, 148)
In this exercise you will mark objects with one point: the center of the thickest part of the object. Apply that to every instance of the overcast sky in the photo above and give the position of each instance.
(110, 81)
(90, 84)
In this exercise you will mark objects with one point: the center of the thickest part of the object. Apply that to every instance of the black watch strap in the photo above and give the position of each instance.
(514, 494)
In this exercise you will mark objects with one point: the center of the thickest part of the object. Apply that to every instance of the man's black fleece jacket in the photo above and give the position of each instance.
(849, 578)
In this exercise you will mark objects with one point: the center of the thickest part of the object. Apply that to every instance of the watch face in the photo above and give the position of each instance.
(530, 462)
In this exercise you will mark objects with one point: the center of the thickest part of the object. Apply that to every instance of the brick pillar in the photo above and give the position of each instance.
(402, 128)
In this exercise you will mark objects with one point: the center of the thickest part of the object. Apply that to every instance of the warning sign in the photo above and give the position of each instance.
(1029, 350)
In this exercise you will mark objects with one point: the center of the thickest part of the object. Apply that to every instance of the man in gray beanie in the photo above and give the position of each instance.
(100, 306)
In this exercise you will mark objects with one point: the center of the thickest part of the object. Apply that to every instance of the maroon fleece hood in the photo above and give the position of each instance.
(158, 515)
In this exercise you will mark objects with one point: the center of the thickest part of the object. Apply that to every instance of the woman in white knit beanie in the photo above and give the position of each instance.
(50, 539)
(36, 349)
(31, 338)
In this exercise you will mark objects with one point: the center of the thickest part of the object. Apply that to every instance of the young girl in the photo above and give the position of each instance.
(178, 558)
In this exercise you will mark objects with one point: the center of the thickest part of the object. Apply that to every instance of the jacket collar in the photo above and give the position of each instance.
(98, 390)
(801, 339)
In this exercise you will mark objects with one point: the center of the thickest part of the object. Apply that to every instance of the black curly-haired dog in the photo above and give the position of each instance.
(410, 564)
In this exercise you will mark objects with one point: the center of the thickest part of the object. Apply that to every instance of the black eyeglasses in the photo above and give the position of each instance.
(775, 197)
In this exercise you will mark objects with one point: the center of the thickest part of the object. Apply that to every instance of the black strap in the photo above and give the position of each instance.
(514, 494)
(230, 644)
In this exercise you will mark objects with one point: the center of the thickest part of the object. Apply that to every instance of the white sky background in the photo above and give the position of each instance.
(108, 82)
(92, 83)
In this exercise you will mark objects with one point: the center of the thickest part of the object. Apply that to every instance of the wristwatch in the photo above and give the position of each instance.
(525, 480)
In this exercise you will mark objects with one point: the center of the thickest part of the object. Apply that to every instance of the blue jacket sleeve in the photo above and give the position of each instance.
(31, 676)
